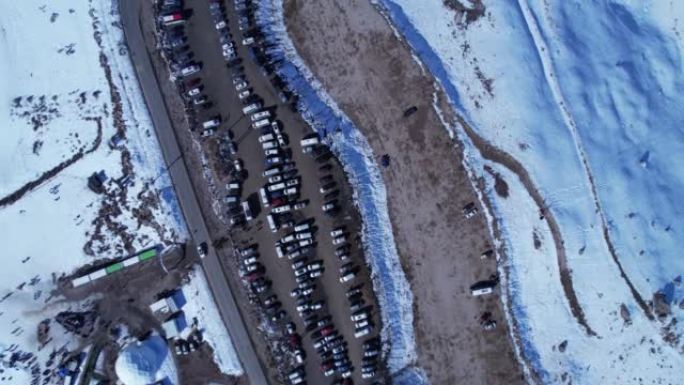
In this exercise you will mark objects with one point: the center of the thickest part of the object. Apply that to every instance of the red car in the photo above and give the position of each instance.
(327, 330)
(253, 276)
(278, 202)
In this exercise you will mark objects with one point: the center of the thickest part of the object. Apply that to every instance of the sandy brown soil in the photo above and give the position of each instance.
(371, 74)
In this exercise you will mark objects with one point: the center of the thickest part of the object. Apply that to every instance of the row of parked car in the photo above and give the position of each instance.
(281, 198)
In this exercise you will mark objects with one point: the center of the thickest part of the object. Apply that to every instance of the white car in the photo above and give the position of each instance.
(305, 235)
(260, 115)
(337, 232)
(189, 70)
(347, 277)
(242, 95)
(282, 209)
(306, 242)
(339, 240)
(211, 123)
(299, 205)
(272, 151)
(328, 206)
(237, 163)
(194, 92)
(241, 86)
(248, 41)
(266, 138)
(221, 24)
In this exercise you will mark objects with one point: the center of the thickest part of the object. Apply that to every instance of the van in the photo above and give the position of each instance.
(260, 115)
(268, 145)
(276, 187)
(211, 123)
(260, 123)
(271, 223)
(251, 108)
(309, 141)
(271, 171)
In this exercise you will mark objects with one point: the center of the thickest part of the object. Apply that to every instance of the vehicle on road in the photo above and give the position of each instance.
(202, 249)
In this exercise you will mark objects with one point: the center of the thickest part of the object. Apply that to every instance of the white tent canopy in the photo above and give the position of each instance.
(146, 362)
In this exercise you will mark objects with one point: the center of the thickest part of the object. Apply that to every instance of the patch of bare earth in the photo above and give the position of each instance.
(374, 79)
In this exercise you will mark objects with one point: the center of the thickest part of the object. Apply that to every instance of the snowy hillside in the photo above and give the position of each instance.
(67, 88)
(585, 96)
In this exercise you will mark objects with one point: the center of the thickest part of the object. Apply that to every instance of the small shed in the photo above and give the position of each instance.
(175, 325)
(96, 181)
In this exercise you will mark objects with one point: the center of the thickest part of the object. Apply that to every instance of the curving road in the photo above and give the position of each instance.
(130, 17)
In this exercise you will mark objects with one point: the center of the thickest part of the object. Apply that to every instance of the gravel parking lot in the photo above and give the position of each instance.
(229, 152)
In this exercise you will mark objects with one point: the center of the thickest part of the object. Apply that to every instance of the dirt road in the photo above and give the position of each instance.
(373, 77)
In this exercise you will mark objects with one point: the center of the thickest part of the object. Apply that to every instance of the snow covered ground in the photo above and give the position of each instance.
(67, 88)
(355, 154)
(585, 95)
(200, 306)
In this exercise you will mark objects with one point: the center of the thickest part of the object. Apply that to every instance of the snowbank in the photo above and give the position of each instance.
(584, 95)
(201, 307)
(389, 281)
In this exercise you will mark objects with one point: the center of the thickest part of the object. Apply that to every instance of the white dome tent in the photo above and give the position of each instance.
(146, 362)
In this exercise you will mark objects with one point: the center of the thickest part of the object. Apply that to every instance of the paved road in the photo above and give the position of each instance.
(130, 16)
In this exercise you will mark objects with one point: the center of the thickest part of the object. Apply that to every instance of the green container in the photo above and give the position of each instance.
(114, 268)
(147, 254)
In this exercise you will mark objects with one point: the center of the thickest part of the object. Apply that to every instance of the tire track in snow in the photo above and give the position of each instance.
(547, 66)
